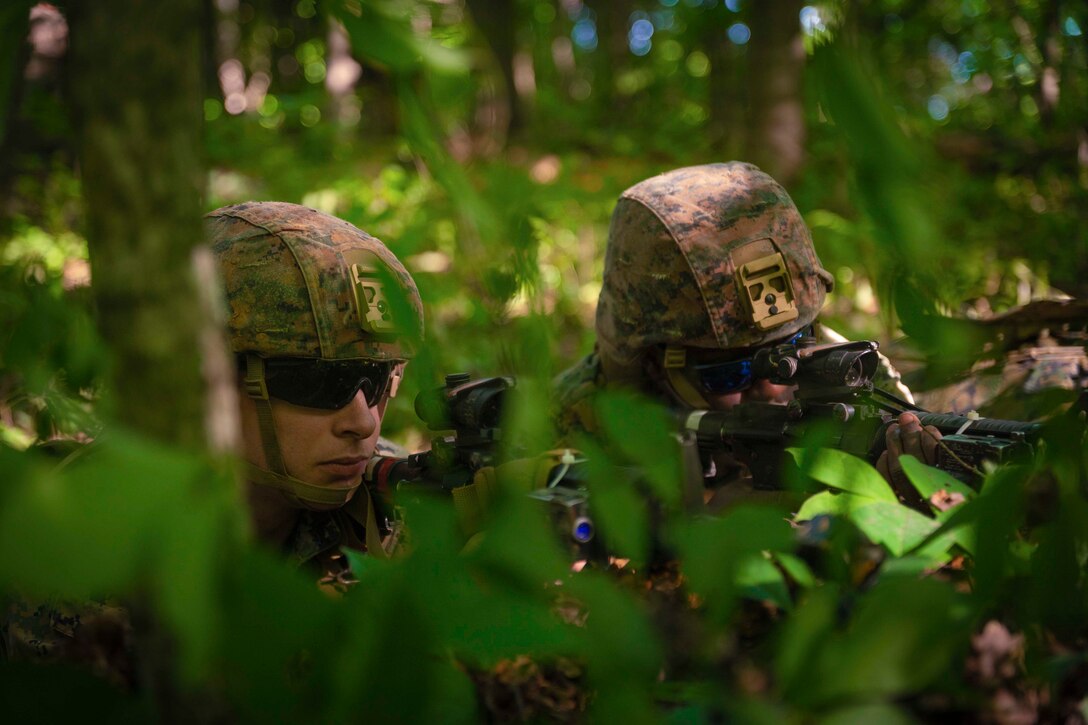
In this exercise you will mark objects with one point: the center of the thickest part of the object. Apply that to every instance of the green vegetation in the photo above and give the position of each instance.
(944, 170)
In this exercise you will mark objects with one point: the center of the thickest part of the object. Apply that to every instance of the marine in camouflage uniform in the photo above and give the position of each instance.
(303, 286)
(308, 287)
(1034, 361)
(704, 261)
(704, 265)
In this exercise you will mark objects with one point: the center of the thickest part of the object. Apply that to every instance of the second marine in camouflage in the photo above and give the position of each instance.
(704, 265)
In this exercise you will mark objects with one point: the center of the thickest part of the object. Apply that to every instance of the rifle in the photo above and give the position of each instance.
(835, 394)
(467, 415)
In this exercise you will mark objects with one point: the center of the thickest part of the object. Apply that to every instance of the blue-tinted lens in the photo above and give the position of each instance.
(725, 377)
(733, 375)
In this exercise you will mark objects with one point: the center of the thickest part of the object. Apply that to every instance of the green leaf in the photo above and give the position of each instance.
(646, 434)
(898, 528)
(525, 431)
(842, 471)
(929, 480)
(796, 568)
(712, 550)
(619, 643)
(618, 508)
(186, 577)
(87, 530)
(830, 503)
(520, 544)
(759, 579)
(893, 525)
(32, 693)
(272, 616)
(902, 637)
(379, 34)
(803, 638)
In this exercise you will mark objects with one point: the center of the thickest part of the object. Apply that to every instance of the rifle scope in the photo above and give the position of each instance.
(464, 404)
(846, 365)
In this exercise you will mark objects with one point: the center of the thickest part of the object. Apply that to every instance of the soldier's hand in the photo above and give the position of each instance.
(907, 436)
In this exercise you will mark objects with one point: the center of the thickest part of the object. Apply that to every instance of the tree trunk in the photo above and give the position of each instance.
(14, 52)
(724, 87)
(775, 135)
(135, 75)
(136, 92)
(611, 57)
(497, 21)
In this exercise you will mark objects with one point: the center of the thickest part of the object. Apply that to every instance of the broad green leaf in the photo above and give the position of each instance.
(388, 661)
(803, 637)
(908, 565)
(796, 568)
(272, 614)
(87, 530)
(901, 638)
(644, 431)
(32, 693)
(186, 576)
(711, 550)
(758, 578)
(893, 525)
(524, 430)
(929, 480)
(521, 544)
(989, 521)
(620, 643)
(618, 509)
(844, 472)
(831, 503)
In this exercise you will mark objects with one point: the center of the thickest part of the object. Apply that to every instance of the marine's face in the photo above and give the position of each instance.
(725, 378)
(328, 448)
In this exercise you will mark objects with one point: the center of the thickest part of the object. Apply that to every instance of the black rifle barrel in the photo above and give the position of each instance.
(770, 422)
(947, 423)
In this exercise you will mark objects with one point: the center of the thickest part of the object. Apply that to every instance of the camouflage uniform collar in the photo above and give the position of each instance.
(316, 532)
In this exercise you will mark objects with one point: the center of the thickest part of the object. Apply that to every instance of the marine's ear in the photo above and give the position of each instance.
(395, 378)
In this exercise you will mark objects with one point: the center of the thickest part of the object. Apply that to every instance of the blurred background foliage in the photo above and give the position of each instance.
(938, 149)
(941, 143)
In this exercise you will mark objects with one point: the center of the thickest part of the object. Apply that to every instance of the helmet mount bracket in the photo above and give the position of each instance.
(766, 291)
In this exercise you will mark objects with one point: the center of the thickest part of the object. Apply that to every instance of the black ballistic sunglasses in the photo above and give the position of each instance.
(326, 384)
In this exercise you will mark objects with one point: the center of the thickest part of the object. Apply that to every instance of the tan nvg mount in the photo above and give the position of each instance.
(767, 291)
(375, 315)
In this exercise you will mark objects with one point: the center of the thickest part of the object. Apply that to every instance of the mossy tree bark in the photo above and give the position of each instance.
(136, 90)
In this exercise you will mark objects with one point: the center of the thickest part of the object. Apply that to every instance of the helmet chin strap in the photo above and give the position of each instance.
(299, 491)
(276, 476)
(674, 366)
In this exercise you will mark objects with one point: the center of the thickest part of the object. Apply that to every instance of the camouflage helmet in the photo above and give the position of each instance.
(714, 256)
(301, 283)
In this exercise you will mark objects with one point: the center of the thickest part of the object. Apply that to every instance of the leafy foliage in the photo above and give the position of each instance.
(938, 160)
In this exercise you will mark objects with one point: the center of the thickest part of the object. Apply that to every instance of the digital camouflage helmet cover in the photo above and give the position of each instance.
(713, 256)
